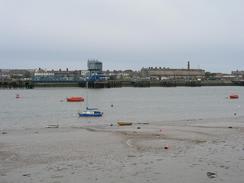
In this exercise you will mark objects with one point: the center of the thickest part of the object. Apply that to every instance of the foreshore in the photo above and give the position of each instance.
(187, 151)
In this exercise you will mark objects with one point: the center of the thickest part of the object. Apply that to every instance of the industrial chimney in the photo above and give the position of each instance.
(188, 65)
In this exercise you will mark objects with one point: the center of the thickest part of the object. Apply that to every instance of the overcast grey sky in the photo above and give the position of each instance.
(122, 33)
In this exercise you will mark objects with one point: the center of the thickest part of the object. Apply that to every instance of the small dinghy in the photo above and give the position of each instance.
(235, 96)
(124, 123)
(75, 99)
(53, 126)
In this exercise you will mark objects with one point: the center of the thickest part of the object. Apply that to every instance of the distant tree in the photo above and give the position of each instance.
(207, 74)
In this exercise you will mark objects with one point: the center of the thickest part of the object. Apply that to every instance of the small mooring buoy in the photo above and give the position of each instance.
(166, 146)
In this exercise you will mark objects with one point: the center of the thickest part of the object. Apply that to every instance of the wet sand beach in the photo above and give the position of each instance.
(209, 150)
(180, 134)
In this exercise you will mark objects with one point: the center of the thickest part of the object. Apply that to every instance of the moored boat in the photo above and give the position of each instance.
(75, 99)
(234, 96)
(124, 123)
(91, 113)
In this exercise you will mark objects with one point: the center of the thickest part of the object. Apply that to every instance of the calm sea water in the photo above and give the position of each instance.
(42, 106)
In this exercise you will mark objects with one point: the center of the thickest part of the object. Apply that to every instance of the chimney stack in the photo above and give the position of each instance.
(188, 65)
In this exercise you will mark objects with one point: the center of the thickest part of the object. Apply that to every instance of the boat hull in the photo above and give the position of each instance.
(123, 123)
(234, 96)
(90, 115)
(75, 99)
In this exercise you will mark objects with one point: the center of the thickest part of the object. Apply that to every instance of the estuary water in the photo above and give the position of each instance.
(42, 106)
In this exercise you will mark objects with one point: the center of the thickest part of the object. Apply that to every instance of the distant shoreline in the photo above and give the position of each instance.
(121, 83)
(118, 84)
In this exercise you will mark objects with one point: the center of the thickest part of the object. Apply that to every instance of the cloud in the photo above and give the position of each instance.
(142, 32)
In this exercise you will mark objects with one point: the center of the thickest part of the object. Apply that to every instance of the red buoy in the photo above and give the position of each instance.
(75, 99)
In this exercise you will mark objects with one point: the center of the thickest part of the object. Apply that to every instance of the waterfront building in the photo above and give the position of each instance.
(168, 73)
(238, 74)
(159, 73)
(6, 74)
(119, 74)
(41, 75)
(95, 69)
(95, 66)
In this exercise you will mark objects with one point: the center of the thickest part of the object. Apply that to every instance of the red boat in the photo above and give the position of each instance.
(234, 96)
(75, 99)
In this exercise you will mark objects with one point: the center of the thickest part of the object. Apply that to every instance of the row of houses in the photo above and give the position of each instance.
(42, 75)
(9, 74)
(167, 73)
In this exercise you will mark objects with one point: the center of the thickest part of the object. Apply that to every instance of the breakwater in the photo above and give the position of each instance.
(12, 84)
(145, 83)
(56, 84)
(119, 83)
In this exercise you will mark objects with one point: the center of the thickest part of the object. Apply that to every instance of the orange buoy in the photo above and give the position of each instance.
(75, 99)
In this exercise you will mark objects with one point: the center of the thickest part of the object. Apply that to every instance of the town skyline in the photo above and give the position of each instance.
(83, 66)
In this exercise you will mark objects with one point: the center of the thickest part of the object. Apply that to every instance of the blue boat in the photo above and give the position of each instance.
(91, 113)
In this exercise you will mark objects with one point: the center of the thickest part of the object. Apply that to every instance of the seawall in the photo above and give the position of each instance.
(119, 83)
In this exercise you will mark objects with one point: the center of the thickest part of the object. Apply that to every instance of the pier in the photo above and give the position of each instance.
(157, 83)
(101, 84)
(12, 84)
